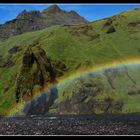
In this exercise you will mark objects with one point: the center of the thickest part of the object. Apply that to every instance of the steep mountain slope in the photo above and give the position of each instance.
(36, 20)
(67, 48)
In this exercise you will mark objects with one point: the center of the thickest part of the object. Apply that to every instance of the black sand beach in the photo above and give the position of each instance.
(72, 125)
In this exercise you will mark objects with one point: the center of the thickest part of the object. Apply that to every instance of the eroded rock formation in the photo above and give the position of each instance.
(81, 97)
(36, 69)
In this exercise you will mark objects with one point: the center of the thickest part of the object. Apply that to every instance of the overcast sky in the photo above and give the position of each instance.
(91, 12)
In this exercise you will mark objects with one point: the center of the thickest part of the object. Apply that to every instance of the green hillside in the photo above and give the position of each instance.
(76, 47)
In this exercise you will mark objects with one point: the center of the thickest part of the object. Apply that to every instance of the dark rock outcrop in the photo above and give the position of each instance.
(114, 20)
(36, 70)
(42, 104)
(36, 20)
(111, 30)
(83, 99)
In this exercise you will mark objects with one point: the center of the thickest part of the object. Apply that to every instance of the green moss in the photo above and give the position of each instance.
(52, 111)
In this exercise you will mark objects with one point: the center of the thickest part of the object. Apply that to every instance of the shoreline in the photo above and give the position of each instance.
(78, 125)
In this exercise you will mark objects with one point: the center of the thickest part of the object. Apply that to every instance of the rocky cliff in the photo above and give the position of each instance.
(36, 70)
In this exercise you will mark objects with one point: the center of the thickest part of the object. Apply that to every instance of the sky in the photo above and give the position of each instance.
(91, 12)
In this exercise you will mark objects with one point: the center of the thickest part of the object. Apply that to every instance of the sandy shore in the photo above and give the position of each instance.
(93, 125)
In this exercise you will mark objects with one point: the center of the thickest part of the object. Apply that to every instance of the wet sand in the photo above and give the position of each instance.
(72, 125)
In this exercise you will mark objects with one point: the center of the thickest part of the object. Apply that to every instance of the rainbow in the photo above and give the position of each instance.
(97, 68)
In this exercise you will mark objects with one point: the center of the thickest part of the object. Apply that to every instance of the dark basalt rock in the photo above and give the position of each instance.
(36, 70)
(28, 58)
(83, 99)
(111, 30)
(41, 105)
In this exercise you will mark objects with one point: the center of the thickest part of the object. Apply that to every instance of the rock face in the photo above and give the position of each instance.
(36, 69)
(81, 97)
(41, 105)
(36, 20)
